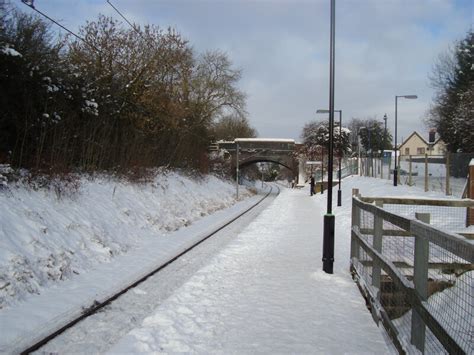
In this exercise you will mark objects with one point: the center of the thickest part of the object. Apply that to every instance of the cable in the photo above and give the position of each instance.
(126, 20)
(30, 4)
(148, 40)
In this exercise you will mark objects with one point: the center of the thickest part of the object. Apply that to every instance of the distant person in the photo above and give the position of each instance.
(293, 183)
(311, 185)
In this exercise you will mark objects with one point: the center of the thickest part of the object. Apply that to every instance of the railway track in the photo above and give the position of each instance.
(98, 306)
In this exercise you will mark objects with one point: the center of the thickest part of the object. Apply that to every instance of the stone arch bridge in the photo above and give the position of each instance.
(255, 150)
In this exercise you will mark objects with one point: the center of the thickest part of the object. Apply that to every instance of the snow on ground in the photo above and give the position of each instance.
(264, 292)
(46, 238)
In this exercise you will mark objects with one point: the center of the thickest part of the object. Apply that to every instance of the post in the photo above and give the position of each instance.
(339, 192)
(322, 176)
(410, 182)
(329, 218)
(377, 244)
(237, 170)
(426, 172)
(470, 194)
(398, 174)
(355, 223)
(381, 162)
(395, 171)
(420, 280)
(448, 169)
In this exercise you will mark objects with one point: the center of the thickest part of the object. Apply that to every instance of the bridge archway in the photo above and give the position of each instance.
(254, 150)
(244, 164)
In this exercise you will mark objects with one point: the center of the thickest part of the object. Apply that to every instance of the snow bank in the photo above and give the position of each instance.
(46, 237)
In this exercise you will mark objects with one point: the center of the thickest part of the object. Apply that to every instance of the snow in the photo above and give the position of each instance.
(10, 51)
(262, 292)
(107, 236)
(52, 235)
(265, 292)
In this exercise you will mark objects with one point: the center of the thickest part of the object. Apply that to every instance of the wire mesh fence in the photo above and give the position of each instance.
(420, 279)
(442, 173)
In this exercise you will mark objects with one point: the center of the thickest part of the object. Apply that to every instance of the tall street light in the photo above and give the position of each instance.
(339, 192)
(329, 218)
(395, 170)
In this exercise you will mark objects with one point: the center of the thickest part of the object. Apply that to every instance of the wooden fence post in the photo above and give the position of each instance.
(420, 280)
(470, 194)
(448, 169)
(381, 167)
(410, 181)
(377, 245)
(426, 172)
(355, 223)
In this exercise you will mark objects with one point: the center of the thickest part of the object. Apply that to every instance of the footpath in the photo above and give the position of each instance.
(265, 292)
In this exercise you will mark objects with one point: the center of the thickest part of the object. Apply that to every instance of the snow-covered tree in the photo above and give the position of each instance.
(315, 137)
(453, 79)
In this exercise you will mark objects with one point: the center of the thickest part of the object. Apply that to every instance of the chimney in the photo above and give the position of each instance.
(432, 136)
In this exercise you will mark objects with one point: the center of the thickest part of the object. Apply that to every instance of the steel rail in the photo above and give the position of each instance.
(96, 306)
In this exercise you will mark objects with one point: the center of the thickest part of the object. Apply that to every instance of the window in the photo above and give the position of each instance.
(420, 150)
(407, 151)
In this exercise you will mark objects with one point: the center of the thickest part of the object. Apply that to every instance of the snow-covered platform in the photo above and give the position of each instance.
(266, 292)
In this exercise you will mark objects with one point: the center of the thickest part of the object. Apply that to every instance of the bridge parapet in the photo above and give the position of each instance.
(255, 150)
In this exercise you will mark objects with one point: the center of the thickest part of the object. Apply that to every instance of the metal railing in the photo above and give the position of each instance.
(418, 279)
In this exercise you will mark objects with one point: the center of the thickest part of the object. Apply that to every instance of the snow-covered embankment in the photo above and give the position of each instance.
(47, 237)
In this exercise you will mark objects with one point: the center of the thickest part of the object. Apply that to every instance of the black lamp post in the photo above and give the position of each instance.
(329, 218)
(339, 192)
(395, 170)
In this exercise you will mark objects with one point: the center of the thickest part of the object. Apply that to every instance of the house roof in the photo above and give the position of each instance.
(439, 140)
(411, 135)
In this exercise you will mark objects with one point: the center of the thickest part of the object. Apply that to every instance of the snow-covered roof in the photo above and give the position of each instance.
(471, 162)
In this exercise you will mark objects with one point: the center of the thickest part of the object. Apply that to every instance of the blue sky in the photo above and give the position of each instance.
(383, 48)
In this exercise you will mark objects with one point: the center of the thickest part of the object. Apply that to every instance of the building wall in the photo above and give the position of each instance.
(439, 148)
(415, 146)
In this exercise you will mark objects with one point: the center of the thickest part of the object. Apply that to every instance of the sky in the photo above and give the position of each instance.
(383, 48)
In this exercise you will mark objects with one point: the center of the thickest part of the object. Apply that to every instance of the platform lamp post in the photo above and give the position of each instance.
(339, 192)
(329, 218)
(395, 170)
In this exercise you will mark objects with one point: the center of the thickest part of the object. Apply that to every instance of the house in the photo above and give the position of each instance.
(415, 144)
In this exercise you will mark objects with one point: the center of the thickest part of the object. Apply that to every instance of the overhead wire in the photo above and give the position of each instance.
(31, 6)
